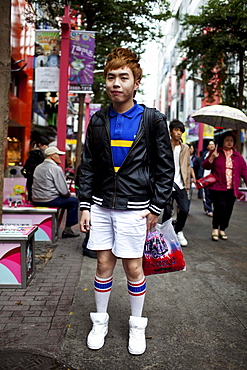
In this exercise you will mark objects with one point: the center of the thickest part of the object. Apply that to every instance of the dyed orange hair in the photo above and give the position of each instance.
(121, 57)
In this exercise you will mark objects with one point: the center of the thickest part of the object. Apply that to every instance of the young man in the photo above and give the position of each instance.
(181, 180)
(125, 180)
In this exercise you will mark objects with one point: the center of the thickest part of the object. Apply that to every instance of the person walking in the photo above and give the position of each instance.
(207, 201)
(181, 183)
(194, 166)
(228, 166)
(51, 190)
(125, 180)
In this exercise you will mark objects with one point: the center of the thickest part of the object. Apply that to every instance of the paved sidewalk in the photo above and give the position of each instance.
(36, 317)
(197, 318)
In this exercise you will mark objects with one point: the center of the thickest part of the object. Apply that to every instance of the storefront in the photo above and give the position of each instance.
(21, 85)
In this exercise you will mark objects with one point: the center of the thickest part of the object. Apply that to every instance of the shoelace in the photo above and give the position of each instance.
(137, 333)
(98, 328)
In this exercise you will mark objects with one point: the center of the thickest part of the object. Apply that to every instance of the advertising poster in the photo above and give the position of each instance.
(192, 129)
(47, 59)
(208, 132)
(94, 108)
(81, 61)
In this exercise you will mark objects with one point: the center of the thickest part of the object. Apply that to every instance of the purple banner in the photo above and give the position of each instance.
(81, 61)
(94, 108)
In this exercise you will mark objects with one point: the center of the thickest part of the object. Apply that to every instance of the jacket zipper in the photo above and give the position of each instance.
(115, 190)
(115, 175)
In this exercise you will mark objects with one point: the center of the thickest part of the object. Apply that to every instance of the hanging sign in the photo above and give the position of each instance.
(47, 51)
(81, 61)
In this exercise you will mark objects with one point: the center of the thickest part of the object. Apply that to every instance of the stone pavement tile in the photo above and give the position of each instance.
(37, 320)
(15, 319)
(10, 292)
(28, 313)
(15, 308)
(6, 313)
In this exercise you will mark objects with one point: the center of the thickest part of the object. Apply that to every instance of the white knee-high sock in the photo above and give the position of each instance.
(137, 291)
(102, 291)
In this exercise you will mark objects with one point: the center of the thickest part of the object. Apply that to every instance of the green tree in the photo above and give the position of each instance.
(216, 45)
(116, 23)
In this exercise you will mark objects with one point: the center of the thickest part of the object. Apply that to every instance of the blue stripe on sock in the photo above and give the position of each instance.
(102, 286)
(139, 288)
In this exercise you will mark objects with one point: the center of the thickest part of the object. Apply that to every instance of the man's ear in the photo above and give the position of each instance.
(137, 84)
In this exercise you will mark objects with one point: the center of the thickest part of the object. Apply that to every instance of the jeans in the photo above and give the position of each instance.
(70, 203)
(207, 202)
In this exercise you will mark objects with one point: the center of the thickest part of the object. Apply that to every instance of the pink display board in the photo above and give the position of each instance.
(14, 190)
(43, 221)
(17, 264)
(10, 263)
(16, 230)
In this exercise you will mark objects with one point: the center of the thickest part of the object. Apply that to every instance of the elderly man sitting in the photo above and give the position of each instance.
(51, 190)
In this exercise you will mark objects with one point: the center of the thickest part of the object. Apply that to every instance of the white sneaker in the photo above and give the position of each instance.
(96, 337)
(137, 340)
(183, 242)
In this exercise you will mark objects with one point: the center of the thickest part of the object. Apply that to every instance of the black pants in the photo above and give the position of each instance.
(223, 205)
(181, 197)
(70, 203)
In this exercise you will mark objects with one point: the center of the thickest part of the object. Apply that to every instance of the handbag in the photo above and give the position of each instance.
(162, 251)
(205, 181)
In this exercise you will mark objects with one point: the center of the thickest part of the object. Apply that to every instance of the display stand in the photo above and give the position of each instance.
(17, 256)
(45, 218)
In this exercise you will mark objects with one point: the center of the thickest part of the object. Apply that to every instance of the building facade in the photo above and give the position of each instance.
(21, 84)
(180, 98)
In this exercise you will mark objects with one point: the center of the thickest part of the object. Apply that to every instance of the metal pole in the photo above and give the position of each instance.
(79, 132)
(63, 84)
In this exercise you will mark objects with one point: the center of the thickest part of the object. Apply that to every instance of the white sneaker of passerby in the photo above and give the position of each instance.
(137, 339)
(96, 337)
(183, 242)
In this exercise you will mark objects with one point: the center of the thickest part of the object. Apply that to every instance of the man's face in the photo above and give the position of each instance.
(211, 146)
(176, 134)
(56, 158)
(120, 85)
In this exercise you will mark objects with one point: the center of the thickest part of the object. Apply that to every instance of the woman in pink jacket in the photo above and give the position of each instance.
(228, 166)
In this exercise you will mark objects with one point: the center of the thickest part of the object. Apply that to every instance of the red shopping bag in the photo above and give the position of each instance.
(162, 251)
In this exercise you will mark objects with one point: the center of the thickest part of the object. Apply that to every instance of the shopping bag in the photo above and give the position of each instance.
(162, 251)
(205, 181)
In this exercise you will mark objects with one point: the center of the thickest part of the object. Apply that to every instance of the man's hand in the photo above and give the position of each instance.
(152, 220)
(85, 221)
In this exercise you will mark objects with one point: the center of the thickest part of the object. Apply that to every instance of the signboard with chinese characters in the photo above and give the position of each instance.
(47, 59)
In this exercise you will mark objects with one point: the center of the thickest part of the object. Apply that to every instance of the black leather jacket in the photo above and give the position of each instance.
(144, 180)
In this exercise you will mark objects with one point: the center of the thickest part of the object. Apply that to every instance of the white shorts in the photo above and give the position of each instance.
(122, 232)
